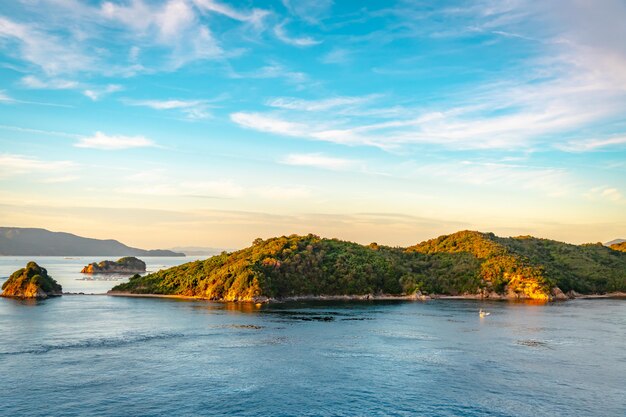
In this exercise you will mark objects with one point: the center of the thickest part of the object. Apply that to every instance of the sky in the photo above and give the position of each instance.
(211, 123)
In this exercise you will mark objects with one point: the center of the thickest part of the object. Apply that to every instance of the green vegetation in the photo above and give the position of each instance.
(462, 263)
(128, 264)
(31, 282)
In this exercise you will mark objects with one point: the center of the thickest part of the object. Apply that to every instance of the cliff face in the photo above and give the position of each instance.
(125, 265)
(31, 282)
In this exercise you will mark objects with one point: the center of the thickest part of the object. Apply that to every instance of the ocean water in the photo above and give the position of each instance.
(95, 355)
(66, 270)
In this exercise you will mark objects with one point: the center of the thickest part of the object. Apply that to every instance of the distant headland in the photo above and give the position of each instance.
(17, 241)
(466, 264)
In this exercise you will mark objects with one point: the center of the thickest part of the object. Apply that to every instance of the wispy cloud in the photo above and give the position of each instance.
(271, 71)
(281, 33)
(207, 189)
(31, 81)
(593, 144)
(337, 56)
(311, 11)
(269, 124)
(316, 160)
(94, 92)
(605, 193)
(4, 98)
(550, 181)
(46, 50)
(15, 164)
(255, 16)
(40, 131)
(191, 109)
(114, 142)
(291, 103)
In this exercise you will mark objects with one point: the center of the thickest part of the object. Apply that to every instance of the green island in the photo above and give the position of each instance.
(32, 281)
(466, 263)
(127, 264)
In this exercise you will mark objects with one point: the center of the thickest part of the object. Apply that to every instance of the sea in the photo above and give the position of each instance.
(97, 355)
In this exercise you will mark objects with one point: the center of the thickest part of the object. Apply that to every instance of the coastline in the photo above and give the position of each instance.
(368, 297)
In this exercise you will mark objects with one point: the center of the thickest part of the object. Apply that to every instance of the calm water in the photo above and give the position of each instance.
(66, 271)
(99, 355)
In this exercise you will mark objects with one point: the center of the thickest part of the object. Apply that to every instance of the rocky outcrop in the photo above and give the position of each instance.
(127, 265)
(619, 246)
(31, 282)
(557, 294)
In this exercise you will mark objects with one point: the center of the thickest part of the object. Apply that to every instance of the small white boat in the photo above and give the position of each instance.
(482, 313)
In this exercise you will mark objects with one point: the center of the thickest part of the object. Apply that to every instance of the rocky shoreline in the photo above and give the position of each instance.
(369, 297)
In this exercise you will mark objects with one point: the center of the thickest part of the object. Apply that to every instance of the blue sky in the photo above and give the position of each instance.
(198, 122)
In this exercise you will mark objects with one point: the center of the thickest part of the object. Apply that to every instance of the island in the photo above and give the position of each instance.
(32, 281)
(466, 264)
(126, 265)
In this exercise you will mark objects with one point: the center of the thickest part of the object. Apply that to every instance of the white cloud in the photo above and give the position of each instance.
(309, 10)
(291, 103)
(592, 144)
(13, 164)
(170, 20)
(269, 124)
(255, 16)
(337, 56)
(279, 31)
(115, 142)
(605, 193)
(4, 98)
(46, 50)
(550, 181)
(317, 160)
(95, 93)
(173, 30)
(273, 70)
(192, 109)
(158, 186)
(40, 132)
(31, 81)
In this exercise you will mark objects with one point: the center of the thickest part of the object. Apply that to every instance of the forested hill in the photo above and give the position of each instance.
(462, 263)
(17, 241)
(526, 264)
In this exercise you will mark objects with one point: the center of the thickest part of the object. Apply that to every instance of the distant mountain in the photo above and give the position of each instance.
(615, 242)
(199, 250)
(17, 241)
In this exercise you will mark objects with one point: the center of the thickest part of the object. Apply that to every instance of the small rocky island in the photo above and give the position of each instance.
(31, 282)
(126, 265)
